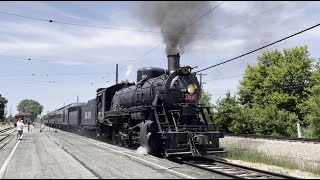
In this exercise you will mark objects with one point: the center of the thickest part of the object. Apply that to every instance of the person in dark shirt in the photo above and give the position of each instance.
(28, 126)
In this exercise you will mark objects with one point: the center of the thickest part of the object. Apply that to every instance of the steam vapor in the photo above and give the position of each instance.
(142, 150)
(129, 70)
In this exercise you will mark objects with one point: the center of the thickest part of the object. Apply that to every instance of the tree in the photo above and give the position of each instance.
(271, 95)
(224, 109)
(42, 120)
(3, 103)
(30, 106)
(10, 118)
(311, 107)
(205, 98)
(275, 88)
(242, 120)
(279, 78)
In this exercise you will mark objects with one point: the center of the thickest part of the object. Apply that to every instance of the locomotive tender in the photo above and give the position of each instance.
(160, 112)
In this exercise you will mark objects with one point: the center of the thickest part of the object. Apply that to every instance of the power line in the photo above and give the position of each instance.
(56, 74)
(93, 26)
(83, 78)
(201, 85)
(223, 94)
(48, 82)
(51, 60)
(209, 34)
(61, 74)
(165, 41)
(52, 21)
(284, 87)
(249, 18)
(181, 31)
(18, 15)
(225, 77)
(259, 48)
(48, 74)
(263, 12)
(12, 14)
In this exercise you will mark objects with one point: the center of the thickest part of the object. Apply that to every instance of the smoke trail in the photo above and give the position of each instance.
(129, 70)
(173, 17)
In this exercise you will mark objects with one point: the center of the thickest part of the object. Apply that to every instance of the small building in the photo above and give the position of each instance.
(26, 117)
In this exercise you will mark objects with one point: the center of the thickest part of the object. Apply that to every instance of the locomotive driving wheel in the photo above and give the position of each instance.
(126, 135)
(115, 137)
(126, 141)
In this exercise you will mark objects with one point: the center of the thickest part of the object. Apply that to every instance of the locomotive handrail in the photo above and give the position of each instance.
(174, 80)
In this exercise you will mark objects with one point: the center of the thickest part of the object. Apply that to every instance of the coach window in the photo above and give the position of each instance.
(99, 99)
(66, 115)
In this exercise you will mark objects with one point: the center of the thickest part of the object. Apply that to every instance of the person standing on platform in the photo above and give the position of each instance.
(29, 126)
(20, 126)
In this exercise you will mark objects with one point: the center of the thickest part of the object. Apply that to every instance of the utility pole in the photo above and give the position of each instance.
(6, 109)
(299, 130)
(201, 84)
(77, 99)
(10, 116)
(116, 73)
(201, 79)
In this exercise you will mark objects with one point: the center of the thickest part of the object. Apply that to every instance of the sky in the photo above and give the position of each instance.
(67, 61)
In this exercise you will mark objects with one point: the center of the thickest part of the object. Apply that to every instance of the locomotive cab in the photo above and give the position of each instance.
(148, 73)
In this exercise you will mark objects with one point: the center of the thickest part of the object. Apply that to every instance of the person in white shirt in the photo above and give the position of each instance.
(42, 126)
(20, 126)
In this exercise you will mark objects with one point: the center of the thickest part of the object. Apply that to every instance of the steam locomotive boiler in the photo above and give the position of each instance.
(160, 112)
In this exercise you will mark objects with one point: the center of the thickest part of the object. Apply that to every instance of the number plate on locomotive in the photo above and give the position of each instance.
(191, 97)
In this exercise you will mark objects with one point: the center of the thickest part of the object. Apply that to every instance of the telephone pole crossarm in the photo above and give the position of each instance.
(201, 84)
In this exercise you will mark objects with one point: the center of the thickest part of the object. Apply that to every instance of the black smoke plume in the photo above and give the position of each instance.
(173, 17)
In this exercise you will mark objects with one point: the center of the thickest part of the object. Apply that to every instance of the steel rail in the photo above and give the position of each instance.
(281, 138)
(6, 129)
(230, 169)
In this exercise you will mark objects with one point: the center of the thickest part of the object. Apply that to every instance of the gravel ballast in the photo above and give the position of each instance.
(303, 154)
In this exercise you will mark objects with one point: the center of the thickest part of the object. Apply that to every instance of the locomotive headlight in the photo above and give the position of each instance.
(191, 88)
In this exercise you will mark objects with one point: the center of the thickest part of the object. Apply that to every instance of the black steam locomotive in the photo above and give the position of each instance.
(160, 112)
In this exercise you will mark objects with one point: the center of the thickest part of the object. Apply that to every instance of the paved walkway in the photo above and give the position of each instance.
(60, 154)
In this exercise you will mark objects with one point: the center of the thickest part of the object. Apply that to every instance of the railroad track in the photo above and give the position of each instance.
(6, 137)
(231, 170)
(6, 129)
(304, 140)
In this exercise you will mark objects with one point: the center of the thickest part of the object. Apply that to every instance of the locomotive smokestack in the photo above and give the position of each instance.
(173, 62)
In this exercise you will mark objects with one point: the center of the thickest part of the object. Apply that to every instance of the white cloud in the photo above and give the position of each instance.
(42, 40)
(219, 44)
(47, 40)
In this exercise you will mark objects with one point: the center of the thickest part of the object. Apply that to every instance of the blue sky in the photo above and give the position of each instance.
(70, 61)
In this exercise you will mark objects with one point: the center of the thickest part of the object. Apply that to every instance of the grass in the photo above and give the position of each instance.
(255, 157)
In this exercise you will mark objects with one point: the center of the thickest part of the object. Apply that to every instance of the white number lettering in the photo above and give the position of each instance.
(87, 115)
